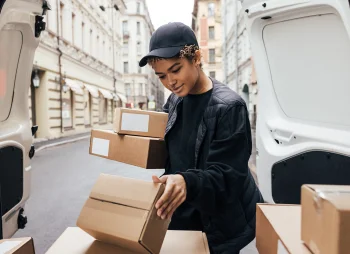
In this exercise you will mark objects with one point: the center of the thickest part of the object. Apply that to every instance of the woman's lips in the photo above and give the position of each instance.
(177, 89)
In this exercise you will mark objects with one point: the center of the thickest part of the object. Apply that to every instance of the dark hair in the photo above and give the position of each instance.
(187, 51)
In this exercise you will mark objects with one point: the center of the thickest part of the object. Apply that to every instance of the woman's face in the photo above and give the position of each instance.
(179, 75)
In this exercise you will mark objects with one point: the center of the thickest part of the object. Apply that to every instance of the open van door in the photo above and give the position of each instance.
(21, 22)
(301, 51)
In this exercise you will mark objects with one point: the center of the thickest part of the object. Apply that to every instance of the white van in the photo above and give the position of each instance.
(301, 50)
(21, 22)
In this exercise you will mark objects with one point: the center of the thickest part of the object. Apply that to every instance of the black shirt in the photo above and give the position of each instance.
(181, 143)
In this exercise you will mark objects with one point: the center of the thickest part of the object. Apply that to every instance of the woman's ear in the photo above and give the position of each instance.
(197, 57)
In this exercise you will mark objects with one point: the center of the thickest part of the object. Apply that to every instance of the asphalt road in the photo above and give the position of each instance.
(62, 178)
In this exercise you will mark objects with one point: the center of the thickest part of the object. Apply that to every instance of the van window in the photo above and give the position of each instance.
(10, 46)
(309, 60)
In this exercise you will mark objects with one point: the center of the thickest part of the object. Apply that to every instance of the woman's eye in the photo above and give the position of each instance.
(161, 77)
(176, 71)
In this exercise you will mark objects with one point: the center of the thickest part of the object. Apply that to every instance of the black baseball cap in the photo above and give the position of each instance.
(168, 40)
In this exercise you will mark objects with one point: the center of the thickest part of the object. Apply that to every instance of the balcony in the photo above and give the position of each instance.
(126, 35)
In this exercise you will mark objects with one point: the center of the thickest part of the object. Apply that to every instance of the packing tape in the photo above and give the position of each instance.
(321, 195)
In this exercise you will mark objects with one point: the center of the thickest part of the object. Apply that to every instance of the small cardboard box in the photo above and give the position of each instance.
(17, 246)
(121, 211)
(76, 241)
(326, 218)
(140, 122)
(149, 153)
(278, 229)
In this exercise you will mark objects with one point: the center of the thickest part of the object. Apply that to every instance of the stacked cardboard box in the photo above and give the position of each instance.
(120, 217)
(136, 139)
(326, 218)
(321, 225)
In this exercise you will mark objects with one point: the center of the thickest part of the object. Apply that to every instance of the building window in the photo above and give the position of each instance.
(102, 117)
(73, 24)
(125, 47)
(212, 74)
(67, 109)
(211, 9)
(83, 36)
(126, 67)
(138, 9)
(87, 108)
(102, 56)
(127, 89)
(138, 47)
(125, 27)
(97, 51)
(140, 89)
(91, 42)
(139, 68)
(138, 28)
(61, 19)
(211, 55)
(211, 33)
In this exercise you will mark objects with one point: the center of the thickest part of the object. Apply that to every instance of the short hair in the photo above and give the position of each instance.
(187, 51)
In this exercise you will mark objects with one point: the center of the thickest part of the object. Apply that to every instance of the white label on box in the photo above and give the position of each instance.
(8, 245)
(281, 249)
(135, 122)
(100, 146)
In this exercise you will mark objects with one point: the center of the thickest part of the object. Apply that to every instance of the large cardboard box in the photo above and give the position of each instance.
(140, 122)
(121, 211)
(75, 241)
(17, 246)
(278, 229)
(326, 218)
(149, 153)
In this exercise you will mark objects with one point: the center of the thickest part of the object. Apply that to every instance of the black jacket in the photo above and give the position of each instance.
(221, 186)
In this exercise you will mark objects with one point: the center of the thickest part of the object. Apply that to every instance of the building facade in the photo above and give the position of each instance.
(142, 87)
(238, 64)
(207, 27)
(77, 78)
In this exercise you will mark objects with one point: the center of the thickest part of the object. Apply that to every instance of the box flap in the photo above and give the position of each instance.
(76, 241)
(286, 221)
(183, 242)
(154, 230)
(126, 191)
(206, 244)
(23, 245)
(337, 195)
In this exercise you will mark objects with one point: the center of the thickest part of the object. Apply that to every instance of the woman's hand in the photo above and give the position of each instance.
(174, 194)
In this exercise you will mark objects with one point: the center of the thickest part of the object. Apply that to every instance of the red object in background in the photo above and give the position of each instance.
(2, 84)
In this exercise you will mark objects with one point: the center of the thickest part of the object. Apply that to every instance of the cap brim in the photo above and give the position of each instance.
(162, 53)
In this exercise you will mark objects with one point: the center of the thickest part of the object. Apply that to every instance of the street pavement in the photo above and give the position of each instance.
(62, 178)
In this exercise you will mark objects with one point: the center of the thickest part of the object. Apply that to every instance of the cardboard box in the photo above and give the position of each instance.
(121, 211)
(17, 246)
(76, 241)
(149, 153)
(326, 218)
(140, 122)
(278, 229)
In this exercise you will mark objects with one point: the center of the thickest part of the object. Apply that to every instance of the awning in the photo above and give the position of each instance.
(122, 97)
(92, 90)
(74, 86)
(107, 94)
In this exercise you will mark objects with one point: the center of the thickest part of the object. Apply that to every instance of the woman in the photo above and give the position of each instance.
(208, 183)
